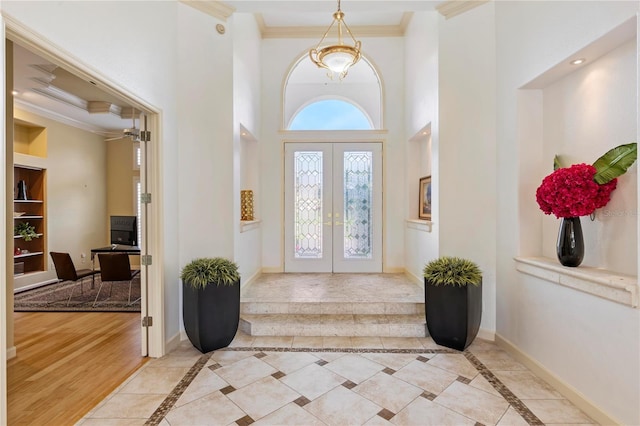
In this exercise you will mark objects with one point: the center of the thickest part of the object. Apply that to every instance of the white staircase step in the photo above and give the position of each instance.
(379, 325)
(355, 308)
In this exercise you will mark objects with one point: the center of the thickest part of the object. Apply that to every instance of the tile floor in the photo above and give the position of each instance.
(334, 380)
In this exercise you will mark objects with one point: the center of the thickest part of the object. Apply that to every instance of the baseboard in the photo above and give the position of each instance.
(35, 285)
(485, 334)
(392, 270)
(173, 342)
(11, 352)
(416, 279)
(250, 280)
(568, 391)
(272, 270)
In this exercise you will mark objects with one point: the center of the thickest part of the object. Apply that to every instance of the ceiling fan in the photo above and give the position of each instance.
(133, 133)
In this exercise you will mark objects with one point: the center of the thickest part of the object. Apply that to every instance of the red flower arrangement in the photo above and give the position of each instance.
(572, 191)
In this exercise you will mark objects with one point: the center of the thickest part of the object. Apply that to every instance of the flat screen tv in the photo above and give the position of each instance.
(124, 230)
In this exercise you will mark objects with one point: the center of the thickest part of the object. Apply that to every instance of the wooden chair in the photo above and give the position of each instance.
(66, 270)
(115, 267)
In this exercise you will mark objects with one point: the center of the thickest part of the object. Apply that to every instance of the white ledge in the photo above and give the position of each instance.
(248, 225)
(419, 224)
(608, 285)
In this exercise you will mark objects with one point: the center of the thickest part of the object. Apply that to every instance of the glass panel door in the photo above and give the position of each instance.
(333, 207)
(307, 202)
(357, 199)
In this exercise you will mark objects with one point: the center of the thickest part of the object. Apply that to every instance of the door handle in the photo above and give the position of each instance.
(327, 223)
(339, 223)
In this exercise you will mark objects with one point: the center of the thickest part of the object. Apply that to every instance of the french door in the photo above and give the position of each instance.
(333, 207)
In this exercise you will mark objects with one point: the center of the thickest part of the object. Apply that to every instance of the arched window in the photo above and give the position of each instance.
(308, 94)
(330, 114)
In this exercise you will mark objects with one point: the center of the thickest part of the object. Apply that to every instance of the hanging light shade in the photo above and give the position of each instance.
(336, 58)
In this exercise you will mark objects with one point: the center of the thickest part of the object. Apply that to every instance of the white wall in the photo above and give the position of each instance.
(246, 107)
(466, 165)
(206, 137)
(589, 343)
(421, 97)
(278, 56)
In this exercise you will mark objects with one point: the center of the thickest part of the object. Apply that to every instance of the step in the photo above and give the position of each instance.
(370, 325)
(333, 308)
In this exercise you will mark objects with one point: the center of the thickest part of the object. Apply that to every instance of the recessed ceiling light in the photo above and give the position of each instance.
(578, 61)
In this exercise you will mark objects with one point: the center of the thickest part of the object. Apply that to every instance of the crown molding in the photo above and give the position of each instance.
(451, 8)
(261, 25)
(318, 32)
(214, 8)
(405, 21)
(222, 11)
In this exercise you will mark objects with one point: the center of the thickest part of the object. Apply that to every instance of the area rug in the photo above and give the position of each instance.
(66, 296)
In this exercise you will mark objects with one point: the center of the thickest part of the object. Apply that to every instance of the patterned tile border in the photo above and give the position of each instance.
(182, 386)
(345, 350)
(506, 393)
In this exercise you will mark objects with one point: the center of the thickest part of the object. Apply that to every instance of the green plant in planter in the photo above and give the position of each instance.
(203, 271)
(210, 302)
(452, 271)
(26, 231)
(453, 301)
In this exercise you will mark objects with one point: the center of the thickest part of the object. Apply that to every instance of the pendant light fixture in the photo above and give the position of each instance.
(336, 58)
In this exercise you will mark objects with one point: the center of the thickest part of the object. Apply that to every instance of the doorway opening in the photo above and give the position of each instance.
(148, 342)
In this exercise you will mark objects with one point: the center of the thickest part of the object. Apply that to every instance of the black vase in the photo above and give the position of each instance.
(570, 245)
(453, 313)
(211, 315)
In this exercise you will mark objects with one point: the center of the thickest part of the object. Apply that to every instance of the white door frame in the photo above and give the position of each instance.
(15, 31)
(331, 222)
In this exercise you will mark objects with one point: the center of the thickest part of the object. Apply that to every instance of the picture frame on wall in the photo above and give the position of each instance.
(424, 201)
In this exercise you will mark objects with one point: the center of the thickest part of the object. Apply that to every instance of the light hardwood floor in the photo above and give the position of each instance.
(68, 362)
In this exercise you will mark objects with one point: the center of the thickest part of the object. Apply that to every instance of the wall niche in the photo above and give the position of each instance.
(579, 112)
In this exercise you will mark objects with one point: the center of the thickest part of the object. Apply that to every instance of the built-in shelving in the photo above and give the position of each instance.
(20, 236)
(599, 282)
(30, 255)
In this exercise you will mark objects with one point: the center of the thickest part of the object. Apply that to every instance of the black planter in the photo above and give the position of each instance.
(570, 244)
(453, 313)
(211, 315)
